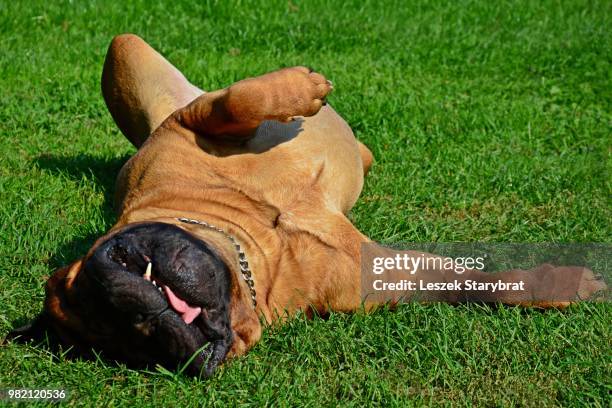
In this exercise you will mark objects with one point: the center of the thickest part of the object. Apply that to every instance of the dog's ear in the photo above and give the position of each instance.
(33, 331)
(246, 326)
(59, 297)
(55, 312)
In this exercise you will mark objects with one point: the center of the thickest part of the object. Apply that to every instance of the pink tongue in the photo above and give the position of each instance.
(188, 313)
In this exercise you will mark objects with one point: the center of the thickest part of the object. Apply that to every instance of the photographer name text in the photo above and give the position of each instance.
(467, 285)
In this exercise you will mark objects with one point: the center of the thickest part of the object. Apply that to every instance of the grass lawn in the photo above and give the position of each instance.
(490, 121)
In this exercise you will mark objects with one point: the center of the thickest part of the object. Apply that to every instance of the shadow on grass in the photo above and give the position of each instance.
(102, 171)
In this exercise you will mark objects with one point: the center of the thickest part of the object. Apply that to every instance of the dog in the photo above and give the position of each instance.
(231, 214)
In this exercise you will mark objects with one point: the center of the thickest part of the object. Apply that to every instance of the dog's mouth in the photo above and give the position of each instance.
(159, 286)
(187, 312)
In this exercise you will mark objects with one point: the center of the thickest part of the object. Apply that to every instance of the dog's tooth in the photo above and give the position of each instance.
(147, 274)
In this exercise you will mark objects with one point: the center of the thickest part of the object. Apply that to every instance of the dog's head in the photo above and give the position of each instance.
(150, 293)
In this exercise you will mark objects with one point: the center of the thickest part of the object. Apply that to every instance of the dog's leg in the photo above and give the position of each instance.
(235, 113)
(141, 88)
(544, 286)
(366, 157)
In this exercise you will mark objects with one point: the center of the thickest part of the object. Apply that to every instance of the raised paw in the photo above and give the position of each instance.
(279, 95)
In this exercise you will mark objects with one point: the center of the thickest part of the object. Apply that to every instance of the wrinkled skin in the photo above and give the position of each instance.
(112, 293)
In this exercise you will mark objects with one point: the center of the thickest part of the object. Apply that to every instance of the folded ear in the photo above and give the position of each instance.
(33, 331)
(55, 315)
(58, 292)
(246, 326)
(141, 88)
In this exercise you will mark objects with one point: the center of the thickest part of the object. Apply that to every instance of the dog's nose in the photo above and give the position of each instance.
(160, 271)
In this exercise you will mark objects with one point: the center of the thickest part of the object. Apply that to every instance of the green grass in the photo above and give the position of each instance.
(489, 121)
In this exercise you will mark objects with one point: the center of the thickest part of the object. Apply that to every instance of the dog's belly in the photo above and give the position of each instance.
(311, 157)
(312, 161)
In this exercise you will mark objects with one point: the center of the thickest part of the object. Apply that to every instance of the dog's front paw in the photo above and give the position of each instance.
(279, 95)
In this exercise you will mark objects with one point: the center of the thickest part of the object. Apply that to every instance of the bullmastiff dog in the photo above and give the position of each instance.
(231, 214)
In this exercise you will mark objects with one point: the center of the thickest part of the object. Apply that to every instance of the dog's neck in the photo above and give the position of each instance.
(226, 246)
(243, 264)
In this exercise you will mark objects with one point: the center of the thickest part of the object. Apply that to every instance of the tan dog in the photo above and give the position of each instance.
(267, 172)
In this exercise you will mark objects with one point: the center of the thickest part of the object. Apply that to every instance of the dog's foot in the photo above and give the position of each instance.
(279, 95)
(566, 284)
(591, 286)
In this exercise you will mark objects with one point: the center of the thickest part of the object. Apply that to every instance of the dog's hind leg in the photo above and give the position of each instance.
(141, 88)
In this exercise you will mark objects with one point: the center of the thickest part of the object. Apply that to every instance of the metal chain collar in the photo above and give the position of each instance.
(244, 265)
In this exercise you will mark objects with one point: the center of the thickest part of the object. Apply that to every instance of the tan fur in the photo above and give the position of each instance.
(236, 159)
(239, 159)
